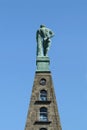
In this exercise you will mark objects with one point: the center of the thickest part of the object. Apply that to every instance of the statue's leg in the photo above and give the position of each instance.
(46, 46)
(44, 51)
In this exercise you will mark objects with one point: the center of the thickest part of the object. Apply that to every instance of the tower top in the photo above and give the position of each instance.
(43, 113)
(43, 38)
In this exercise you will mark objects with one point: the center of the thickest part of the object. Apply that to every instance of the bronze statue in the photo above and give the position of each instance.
(43, 37)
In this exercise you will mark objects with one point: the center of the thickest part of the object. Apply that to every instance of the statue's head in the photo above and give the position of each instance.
(42, 25)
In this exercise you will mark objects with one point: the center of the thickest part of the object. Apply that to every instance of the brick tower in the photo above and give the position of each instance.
(43, 113)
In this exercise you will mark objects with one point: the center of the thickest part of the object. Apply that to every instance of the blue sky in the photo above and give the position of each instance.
(19, 21)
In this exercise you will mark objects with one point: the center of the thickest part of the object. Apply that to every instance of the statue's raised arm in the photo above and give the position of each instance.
(43, 37)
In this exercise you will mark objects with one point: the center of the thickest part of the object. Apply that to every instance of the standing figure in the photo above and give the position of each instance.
(43, 37)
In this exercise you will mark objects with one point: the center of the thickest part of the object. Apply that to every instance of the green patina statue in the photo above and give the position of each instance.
(43, 37)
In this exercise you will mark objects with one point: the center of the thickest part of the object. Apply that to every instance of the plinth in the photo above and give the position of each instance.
(42, 64)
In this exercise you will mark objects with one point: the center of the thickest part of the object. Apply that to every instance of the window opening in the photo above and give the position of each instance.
(43, 114)
(43, 129)
(43, 95)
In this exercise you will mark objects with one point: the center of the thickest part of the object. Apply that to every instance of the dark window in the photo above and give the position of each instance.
(43, 95)
(43, 82)
(43, 129)
(43, 114)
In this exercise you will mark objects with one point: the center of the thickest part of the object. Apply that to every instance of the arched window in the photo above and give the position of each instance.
(43, 114)
(43, 129)
(43, 95)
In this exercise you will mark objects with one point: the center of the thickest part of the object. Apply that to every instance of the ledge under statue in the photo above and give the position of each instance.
(43, 38)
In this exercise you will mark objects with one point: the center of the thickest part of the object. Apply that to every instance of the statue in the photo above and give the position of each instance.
(43, 37)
